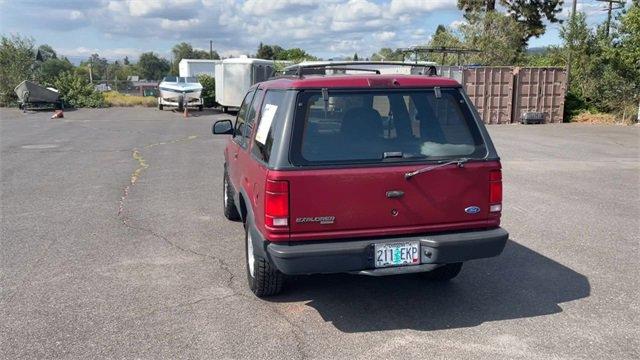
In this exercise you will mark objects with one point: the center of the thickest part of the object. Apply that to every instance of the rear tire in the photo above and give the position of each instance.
(200, 108)
(228, 202)
(160, 107)
(444, 272)
(262, 276)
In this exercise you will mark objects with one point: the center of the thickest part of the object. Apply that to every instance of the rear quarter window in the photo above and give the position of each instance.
(272, 112)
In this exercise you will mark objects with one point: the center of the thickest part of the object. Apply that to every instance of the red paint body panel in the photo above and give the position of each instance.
(432, 201)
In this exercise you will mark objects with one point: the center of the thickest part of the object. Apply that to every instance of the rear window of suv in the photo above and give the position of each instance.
(384, 125)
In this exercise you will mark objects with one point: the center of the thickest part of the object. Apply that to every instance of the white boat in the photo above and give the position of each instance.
(180, 92)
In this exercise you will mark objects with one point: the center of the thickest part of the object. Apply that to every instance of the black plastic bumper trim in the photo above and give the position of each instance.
(357, 255)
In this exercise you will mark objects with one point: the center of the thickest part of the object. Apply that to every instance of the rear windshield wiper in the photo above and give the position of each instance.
(459, 162)
(401, 155)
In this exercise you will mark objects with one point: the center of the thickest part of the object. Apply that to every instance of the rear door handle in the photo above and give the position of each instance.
(235, 155)
(394, 194)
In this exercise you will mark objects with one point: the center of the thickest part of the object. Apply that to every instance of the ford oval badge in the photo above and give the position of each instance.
(472, 210)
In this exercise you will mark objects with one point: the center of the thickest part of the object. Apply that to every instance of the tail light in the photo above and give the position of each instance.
(276, 203)
(495, 191)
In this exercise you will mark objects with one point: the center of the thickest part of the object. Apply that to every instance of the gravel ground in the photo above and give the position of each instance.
(113, 245)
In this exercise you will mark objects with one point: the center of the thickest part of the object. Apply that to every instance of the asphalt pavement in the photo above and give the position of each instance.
(113, 245)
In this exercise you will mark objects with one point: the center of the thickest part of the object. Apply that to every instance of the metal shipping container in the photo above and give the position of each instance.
(491, 91)
(540, 90)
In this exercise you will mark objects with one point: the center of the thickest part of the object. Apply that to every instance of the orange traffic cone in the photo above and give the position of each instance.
(58, 114)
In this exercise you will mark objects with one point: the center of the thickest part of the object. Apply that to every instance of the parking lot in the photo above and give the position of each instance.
(113, 245)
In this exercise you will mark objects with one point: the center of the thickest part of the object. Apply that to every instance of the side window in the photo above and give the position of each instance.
(242, 115)
(272, 112)
(254, 110)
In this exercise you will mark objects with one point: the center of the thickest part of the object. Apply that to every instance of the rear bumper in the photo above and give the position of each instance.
(358, 255)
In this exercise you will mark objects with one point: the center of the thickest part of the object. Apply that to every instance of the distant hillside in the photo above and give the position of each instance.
(537, 50)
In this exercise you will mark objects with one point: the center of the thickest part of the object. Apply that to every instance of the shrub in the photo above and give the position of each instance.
(208, 90)
(574, 104)
(595, 118)
(114, 98)
(77, 92)
(17, 60)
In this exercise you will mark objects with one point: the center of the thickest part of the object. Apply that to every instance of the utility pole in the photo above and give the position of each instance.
(210, 49)
(610, 8)
(90, 74)
(573, 17)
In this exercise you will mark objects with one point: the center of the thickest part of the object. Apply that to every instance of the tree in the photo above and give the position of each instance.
(153, 67)
(125, 61)
(530, 14)
(199, 54)
(629, 38)
(497, 36)
(444, 38)
(388, 54)
(50, 69)
(355, 57)
(46, 52)
(17, 63)
(184, 50)
(98, 66)
(265, 52)
(604, 69)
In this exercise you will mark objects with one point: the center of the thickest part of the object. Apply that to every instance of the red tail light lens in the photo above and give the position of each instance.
(495, 191)
(276, 203)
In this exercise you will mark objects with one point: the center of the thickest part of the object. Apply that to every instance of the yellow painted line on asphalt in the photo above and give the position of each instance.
(142, 165)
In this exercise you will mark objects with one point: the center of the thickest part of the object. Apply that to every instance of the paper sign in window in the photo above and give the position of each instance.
(268, 114)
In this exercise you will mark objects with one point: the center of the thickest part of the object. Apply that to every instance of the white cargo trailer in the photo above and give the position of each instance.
(236, 75)
(195, 67)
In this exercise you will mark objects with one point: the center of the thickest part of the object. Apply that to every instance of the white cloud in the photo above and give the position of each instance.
(266, 7)
(151, 7)
(356, 10)
(420, 6)
(385, 35)
(177, 25)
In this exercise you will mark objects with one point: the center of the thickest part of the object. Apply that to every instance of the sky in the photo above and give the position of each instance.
(324, 28)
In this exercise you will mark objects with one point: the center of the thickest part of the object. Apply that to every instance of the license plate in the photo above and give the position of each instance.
(397, 254)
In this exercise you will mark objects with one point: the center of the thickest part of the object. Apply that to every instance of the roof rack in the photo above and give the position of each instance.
(298, 69)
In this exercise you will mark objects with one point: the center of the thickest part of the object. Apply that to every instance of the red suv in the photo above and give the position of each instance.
(360, 173)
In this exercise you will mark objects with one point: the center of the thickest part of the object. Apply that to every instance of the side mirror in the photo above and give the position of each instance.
(222, 127)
